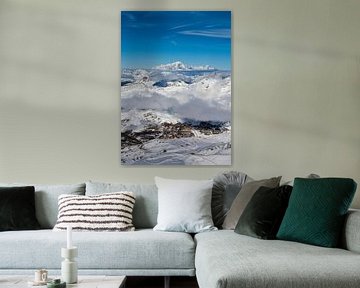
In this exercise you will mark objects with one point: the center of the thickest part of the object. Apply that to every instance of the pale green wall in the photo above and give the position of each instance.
(296, 89)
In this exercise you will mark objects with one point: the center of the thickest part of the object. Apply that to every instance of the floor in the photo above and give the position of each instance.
(158, 282)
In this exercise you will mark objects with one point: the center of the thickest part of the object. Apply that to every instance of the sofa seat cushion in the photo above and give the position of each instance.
(226, 259)
(142, 249)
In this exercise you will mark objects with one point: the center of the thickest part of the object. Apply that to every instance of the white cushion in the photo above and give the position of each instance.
(184, 205)
(105, 212)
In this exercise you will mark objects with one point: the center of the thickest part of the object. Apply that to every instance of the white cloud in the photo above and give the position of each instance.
(181, 26)
(206, 98)
(215, 33)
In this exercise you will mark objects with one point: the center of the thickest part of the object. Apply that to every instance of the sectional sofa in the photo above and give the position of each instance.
(221, 259)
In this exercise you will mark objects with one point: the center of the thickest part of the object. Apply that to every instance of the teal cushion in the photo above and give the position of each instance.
(316, 211)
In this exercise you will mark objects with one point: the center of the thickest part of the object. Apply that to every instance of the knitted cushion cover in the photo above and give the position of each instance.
(105, 212)
(316, 211)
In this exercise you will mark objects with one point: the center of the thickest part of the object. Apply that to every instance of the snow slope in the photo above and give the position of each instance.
(203, 150)
(137, 121)
(155, 101)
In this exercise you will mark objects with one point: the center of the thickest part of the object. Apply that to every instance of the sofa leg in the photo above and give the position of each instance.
(167, 282)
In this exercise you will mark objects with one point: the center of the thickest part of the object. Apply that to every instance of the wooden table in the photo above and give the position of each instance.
(84, 281)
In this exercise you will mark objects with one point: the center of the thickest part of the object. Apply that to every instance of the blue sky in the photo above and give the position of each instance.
(150, 38)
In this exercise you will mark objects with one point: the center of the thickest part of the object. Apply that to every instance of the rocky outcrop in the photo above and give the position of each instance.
(168, 130)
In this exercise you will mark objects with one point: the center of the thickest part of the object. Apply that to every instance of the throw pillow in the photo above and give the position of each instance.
(184, 205)
(46, 200)
(17, 209)
(263, 215)
(105, 212)
(316, 211)
(243, 198)
(226, 187)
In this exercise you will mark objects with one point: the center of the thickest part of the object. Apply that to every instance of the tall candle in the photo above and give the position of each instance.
(69, 237)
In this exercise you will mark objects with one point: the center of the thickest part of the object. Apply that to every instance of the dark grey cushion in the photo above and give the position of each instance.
(263, 214)
(243, 198)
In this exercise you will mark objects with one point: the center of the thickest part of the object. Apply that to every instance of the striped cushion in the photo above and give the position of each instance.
(105, 212)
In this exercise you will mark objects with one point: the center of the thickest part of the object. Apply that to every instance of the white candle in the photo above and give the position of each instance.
(69, 237)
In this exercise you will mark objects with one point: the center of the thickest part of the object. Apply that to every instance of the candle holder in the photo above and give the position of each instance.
(69, 271)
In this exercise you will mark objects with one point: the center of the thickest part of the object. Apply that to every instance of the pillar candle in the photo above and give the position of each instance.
(69, 237)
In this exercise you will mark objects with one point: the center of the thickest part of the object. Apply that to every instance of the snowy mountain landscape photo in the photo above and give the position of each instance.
(176, 88)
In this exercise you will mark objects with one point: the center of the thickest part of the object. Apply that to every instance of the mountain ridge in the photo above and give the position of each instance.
(180, 66)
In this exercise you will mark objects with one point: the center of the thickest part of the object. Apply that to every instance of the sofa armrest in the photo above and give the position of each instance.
(351, 234)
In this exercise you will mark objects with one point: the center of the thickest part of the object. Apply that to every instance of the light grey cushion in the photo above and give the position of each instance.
(46, 200)
(143, 249)
(243, 198)
(184, 205)
(146, 204)
(225, 259)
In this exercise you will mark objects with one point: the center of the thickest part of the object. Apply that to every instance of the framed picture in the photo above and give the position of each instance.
(175, 88)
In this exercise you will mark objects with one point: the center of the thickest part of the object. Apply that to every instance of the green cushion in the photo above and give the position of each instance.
(316, 211)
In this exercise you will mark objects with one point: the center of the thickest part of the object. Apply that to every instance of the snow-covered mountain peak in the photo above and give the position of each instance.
(179, 66)
(175, 66)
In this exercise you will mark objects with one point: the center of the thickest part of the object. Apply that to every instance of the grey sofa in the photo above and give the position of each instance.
(226, 259)
(143, 252)
(218, 259)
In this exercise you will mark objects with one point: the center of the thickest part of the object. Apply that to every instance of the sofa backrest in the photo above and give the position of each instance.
(146, 203)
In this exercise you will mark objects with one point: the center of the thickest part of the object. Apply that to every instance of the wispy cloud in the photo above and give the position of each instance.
(215, 33)
(180, 26)
(128, 15)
